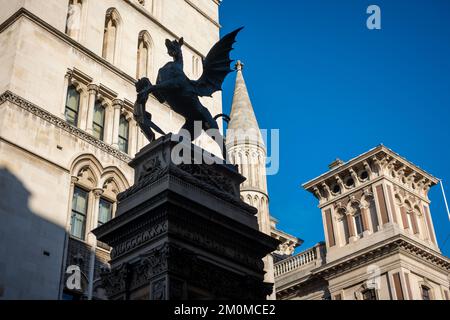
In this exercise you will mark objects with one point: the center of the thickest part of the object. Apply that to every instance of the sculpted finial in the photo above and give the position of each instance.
(239, 65)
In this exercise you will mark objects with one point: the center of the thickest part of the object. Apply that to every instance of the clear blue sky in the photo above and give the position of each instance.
(336, 89)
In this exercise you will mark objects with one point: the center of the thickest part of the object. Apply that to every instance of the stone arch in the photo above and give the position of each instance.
(398, 199)
(114, 180)
(249, 200)
(145, 49)
(112, 36)
(408, 205)
(353, 205)
(256, 202)
(87, 168)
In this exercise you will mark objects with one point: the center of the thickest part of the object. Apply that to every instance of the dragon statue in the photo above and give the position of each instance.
(182, 94)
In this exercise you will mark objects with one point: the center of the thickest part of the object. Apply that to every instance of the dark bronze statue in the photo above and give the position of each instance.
(181, 93)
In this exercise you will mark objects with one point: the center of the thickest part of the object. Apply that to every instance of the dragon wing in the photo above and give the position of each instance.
(216, 66)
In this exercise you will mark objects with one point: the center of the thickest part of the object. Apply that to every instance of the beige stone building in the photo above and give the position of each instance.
(379, 235)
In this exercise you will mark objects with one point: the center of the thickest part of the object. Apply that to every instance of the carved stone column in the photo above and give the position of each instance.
(117, 105)
(133, 137)
(365, 218)
(351, 226)
(109, 125)
(92, 90)
(67, 78)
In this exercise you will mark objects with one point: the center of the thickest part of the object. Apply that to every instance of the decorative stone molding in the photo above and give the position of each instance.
(8, 96)
(376, 164)
(391, 246)
(139, 239)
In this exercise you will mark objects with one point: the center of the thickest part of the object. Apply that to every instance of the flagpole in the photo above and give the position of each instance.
(445, 199)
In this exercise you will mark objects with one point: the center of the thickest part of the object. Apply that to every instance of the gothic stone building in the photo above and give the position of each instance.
(379, 235)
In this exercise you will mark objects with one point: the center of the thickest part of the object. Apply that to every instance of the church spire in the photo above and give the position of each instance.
(242, 115)
(246, 149)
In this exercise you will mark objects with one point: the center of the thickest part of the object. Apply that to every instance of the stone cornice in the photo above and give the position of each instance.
(8, 96)
(381, 149)
(22, 12)
(393, 245)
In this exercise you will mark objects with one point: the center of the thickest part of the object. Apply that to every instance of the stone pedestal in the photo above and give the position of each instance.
(182, 232)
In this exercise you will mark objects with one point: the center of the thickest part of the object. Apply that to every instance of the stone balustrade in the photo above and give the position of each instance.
(301, 260)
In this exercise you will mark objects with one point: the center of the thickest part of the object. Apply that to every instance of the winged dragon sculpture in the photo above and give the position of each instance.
(181, 93)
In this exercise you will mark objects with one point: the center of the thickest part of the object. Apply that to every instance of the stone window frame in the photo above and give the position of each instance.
(81, 82)
(79, 90)
(354, 209)
(426, 283)
(89, 94)
(144, 38)
(88, 174)
(359, 294)
(112, 52)
(127, 138)
(413, 210)
(343, 236)
(101, 103)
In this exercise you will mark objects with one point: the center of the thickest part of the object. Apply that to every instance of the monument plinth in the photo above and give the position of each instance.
(182, 232)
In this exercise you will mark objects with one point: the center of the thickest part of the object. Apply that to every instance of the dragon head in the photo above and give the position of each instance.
(174, 47)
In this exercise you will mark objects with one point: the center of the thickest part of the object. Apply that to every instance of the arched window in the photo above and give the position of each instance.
(144, 55)
(73, 23)
(94, 188)
(425, 293)
(72, 105)
(111, 35)
(98, 125)
(124, 129)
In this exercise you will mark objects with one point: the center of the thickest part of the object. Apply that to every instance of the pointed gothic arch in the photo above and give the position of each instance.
(112, 36)
(144, 67)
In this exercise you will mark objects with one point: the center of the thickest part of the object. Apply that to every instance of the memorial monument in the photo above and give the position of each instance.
(182, 231)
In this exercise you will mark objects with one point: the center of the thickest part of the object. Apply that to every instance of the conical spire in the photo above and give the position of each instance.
(242, 119)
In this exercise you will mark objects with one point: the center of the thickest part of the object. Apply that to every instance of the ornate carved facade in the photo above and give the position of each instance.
(185, 236)
(379, 235)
